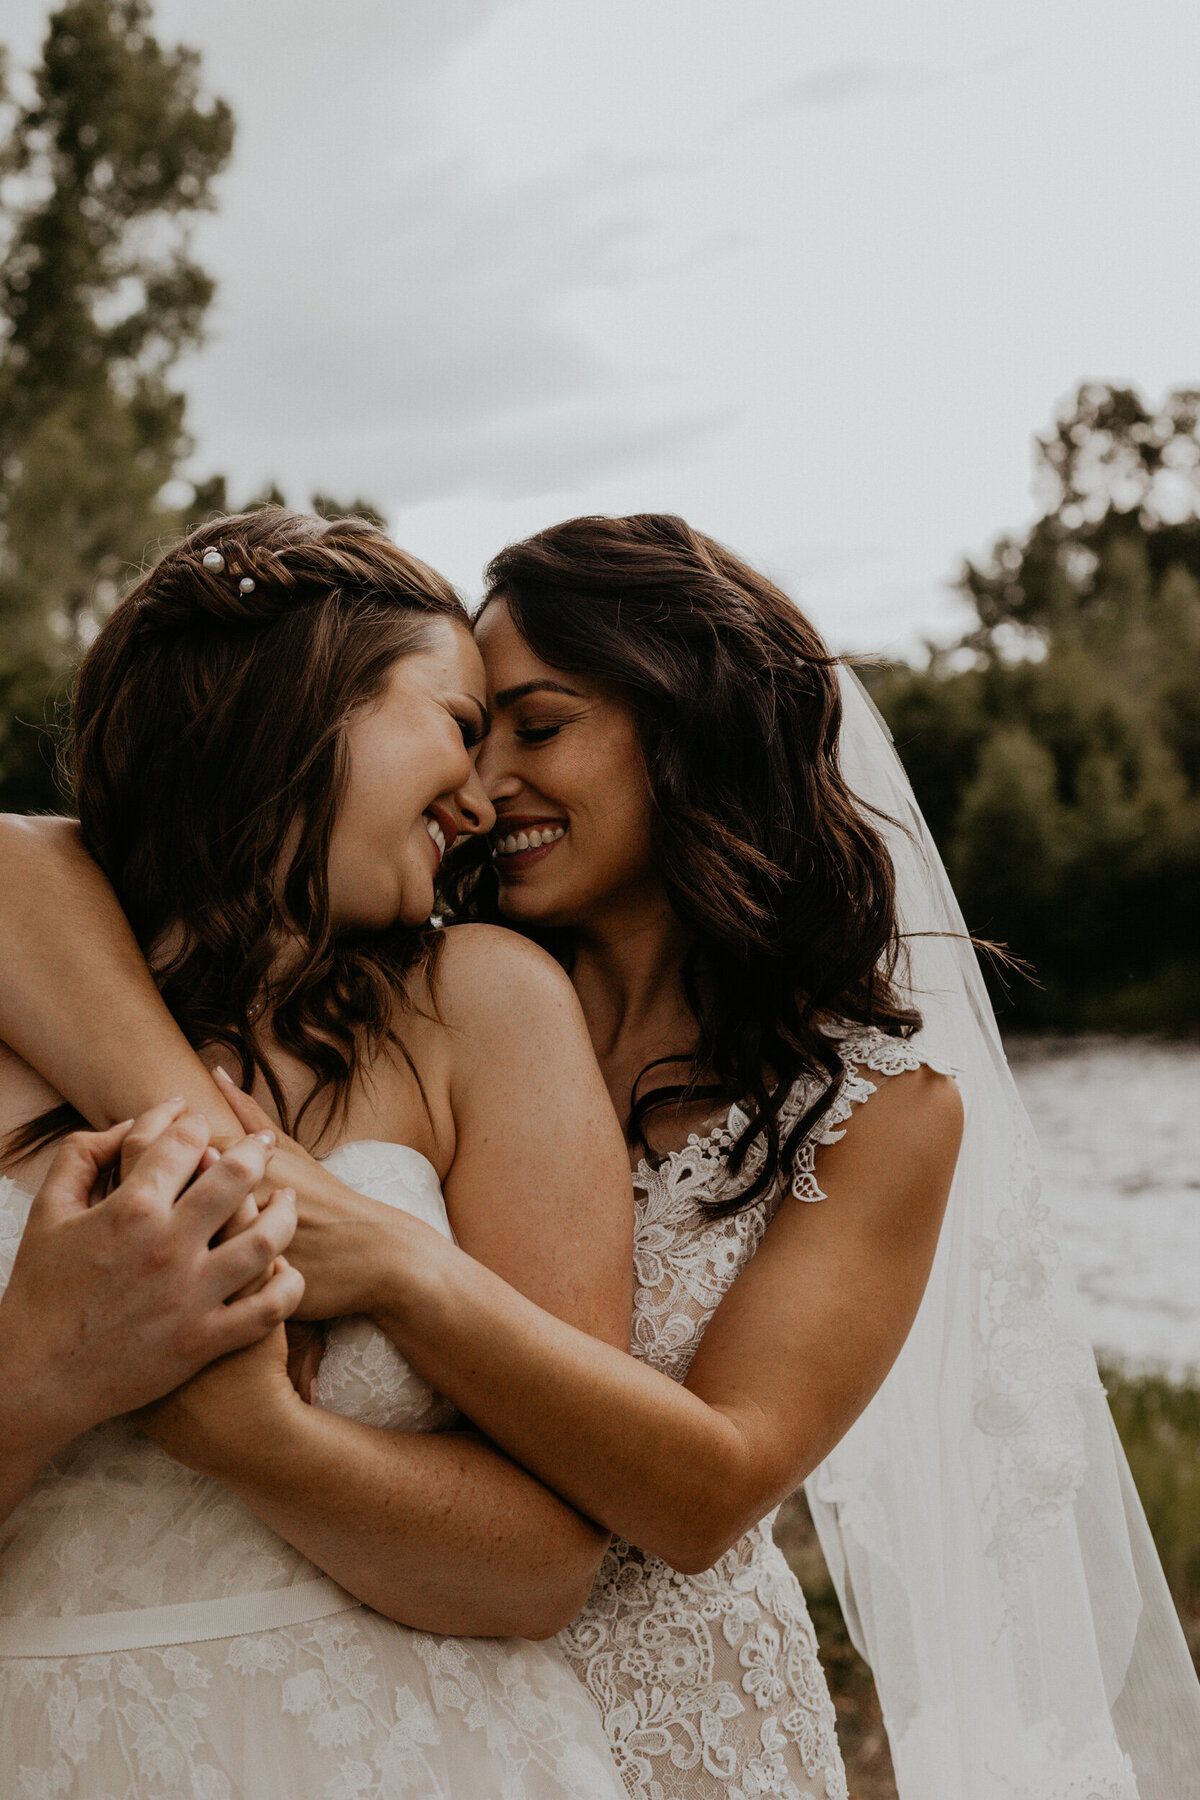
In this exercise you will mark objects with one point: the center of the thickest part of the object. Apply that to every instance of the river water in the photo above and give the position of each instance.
(1119, 1125)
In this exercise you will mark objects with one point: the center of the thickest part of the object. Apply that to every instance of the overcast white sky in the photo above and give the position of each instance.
(811, 275)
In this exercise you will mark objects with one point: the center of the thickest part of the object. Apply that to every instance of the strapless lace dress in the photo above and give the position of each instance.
(709, 1685)
(158, 1642)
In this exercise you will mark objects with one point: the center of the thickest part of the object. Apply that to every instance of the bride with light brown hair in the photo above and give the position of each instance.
(273, 744)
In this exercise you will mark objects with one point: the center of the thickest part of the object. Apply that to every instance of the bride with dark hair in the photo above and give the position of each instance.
(839, 1277)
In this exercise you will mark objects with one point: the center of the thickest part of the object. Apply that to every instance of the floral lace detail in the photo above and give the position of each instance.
(710, 1685)
(300, 1713)
(351, 1707)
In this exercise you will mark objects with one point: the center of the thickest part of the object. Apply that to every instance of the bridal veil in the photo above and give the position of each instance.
(990, 1552)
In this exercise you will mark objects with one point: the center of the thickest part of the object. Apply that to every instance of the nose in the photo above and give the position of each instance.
(475, 810)
(489, 766)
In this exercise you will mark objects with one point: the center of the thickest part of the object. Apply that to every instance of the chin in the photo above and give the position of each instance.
(516, 902)
(525, 908)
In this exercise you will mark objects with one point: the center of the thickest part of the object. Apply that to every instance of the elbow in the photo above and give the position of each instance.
(691, 1551)
(711, 1521)
(544, 1608)
(555, 1609)
(530, 1602)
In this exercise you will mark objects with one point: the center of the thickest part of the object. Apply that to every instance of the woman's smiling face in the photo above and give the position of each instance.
(563, 768)
(411, 784)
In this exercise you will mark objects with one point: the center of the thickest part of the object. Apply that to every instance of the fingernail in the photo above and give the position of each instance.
(265, 1137)
(175, 1100)
(223, 1072)
(121, 1124)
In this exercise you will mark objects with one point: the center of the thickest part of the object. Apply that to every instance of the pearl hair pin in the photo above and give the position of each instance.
(246, 584)
(212, 559)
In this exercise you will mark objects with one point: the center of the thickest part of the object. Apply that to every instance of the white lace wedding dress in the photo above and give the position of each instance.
(709, 1685)
(158, 1642)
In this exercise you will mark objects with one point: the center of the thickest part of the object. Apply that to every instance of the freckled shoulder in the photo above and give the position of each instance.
(489, 975)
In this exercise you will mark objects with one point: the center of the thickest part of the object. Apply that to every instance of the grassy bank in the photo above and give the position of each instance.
(1159, 1424)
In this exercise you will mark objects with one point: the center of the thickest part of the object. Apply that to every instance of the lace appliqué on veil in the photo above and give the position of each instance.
(710, 1685)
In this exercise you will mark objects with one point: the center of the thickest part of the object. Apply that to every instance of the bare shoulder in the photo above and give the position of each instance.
(899, 1147)
(34, 829)
(484, 972)
(915, 1106)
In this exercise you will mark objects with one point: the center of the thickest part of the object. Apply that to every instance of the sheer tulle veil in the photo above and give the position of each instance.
(990, 1552)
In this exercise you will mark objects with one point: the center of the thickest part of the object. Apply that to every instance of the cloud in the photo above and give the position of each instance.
(843, 83)
(418, 337)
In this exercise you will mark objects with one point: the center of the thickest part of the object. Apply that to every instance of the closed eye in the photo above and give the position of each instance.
(531, 733)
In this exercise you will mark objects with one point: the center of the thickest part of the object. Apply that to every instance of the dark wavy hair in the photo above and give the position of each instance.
(767, 857)
(206, 754)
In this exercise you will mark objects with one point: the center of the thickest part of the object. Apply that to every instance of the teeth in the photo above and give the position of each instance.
(436, 833)
(527, 840)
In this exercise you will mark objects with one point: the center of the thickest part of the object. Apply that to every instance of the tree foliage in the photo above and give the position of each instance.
(108, 159)
(1057, 749)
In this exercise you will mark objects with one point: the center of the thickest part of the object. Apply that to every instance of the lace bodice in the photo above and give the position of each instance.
(208, 1696)
(709, 1685)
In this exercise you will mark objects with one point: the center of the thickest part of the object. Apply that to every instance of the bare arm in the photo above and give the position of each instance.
(440, 1531)
(78, 1002)
(443, 1531)
(110, 1304)
(792, 1355)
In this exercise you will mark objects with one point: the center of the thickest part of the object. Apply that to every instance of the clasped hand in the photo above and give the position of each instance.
(338, 1247)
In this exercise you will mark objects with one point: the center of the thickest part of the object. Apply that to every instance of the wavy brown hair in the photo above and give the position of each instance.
(773, 864)
(207, 759)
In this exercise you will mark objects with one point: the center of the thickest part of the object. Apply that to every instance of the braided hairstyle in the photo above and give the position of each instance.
(206, 755)
(774, 865)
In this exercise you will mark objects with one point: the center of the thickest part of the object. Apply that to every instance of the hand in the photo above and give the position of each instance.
(150, 1125)
(116, 1302)
(208, 1422)
(343, 1239)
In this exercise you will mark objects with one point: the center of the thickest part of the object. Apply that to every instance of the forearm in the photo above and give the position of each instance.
(620, 1441)
(32, 1425)
(438, 1530)
(25, 1449)
(77, 1001)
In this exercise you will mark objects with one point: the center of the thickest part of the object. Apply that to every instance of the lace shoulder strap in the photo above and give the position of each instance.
(861, 1047)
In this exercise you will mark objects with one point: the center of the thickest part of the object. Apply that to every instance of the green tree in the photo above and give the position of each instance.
(1060, 767)
(103, 167)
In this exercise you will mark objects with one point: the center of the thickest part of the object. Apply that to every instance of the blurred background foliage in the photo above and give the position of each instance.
(106, 160)
(1056, 749)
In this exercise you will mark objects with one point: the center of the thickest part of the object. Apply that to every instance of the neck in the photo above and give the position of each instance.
(627, 972)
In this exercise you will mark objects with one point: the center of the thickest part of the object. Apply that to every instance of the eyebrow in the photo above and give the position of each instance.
(509, 696)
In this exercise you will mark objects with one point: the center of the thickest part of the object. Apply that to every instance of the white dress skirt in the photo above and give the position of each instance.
(159, 1642)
